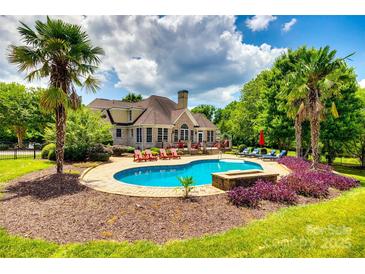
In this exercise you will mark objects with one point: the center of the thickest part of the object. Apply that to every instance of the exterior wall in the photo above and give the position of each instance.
(184, 119)
(123, 140)
(121, 115)
(128, 140)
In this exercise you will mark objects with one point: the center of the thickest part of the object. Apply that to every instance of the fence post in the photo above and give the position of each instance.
(34, 152)
(15, 153)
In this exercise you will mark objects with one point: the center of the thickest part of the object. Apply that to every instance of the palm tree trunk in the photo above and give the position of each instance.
(60, 136)
(298, 137)
(315, 127)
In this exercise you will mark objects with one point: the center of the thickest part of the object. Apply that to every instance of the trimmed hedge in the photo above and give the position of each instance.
(99, 152)
(46, 149)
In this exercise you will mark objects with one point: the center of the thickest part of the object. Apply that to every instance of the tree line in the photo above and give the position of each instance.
(309, 100)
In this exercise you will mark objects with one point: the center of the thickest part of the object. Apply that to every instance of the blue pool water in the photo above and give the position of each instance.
(167, 176)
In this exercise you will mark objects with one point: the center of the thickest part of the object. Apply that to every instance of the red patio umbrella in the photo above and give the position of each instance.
(262, 139)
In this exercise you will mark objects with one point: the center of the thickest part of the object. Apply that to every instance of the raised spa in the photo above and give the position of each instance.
(167, 176)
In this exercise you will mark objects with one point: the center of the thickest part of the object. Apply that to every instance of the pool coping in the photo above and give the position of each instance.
(101, 177)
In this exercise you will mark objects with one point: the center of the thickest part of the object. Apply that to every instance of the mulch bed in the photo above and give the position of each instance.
(58, 208)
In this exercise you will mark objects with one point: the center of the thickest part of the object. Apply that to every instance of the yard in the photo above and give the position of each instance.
(332, 228)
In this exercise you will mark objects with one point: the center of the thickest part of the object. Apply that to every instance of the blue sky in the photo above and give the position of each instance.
(211, 56)
(344, 33)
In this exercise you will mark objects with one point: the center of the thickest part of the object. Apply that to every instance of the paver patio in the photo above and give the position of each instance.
(101, 177)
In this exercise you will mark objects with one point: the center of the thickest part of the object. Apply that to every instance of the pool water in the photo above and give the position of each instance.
(167, 176)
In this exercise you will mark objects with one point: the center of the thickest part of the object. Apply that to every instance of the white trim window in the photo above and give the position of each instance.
(162, 134)
(118, 133)
(159, 135)
(176, 135)
(184, 132)
(138, 135)
(149, 135)
(210, 136)
(200, 136)
(129, 115)
(165, 134)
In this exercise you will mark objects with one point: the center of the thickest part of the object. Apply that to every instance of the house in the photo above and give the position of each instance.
(156, 122)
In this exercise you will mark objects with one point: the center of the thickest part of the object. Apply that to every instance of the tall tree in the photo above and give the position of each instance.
(313, 80)
(132, 97)
(356, 146)
(20, 112)
(62, 53)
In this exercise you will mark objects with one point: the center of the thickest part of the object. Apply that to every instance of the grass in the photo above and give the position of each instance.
(10, 169)
(332, 228)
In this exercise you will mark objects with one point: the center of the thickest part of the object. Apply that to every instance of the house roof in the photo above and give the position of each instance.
(158, 110)
(203, 121)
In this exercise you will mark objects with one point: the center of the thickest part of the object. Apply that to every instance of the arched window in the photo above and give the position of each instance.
(184, 132)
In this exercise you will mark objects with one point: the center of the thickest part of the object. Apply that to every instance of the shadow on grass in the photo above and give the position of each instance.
(44, 188)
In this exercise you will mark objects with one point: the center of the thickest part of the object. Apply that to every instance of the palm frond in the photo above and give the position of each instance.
(334, 110)
(52, 98)
(91, 83)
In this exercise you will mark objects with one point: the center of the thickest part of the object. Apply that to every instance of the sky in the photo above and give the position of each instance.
(210, 56)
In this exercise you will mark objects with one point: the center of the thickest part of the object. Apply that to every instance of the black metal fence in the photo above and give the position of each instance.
(11, 151)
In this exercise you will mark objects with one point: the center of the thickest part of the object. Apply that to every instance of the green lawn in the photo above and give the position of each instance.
(10, 169)
(329, 229)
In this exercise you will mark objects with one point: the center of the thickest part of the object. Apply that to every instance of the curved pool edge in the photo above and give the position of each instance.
(171, 166)
(101, 177)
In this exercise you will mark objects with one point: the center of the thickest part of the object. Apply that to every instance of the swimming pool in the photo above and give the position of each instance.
(167, 176)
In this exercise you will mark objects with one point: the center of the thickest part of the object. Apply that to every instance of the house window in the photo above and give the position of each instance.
(165, 132)
(176, 135)
(139, 135)
(192, 135)
(210, 136)
(200, 136)
(184, 132)
(159, 135)
(129, 115)
(118, 133)
(149, 135)
(162, 134)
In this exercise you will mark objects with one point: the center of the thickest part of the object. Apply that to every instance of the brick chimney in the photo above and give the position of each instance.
(182, 99)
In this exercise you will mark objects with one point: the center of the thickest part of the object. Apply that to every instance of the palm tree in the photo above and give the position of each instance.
(62, 53)
(132, 97)
(316, 77)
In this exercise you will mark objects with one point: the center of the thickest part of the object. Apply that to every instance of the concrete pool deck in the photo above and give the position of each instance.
(101, 177)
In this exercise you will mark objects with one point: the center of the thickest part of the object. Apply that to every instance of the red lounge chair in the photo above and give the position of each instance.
(149, 156)
(174, 154)
(195, 146)
(163, 154)
(138, 157)
(180, 144)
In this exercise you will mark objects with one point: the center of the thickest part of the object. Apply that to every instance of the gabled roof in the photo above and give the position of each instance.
(203, 121)
(158, 110)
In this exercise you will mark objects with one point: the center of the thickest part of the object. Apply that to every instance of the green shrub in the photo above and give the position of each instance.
(76, 153)
(118, 150)
(241, 147)
(4, 147)
(130, 149)
(155, 149)
(99, 152)
(46, 149)
(52, 154)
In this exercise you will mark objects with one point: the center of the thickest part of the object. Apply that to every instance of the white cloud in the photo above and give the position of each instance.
(288, 25)
(362, 83)
(259, 22)
(161, 55)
